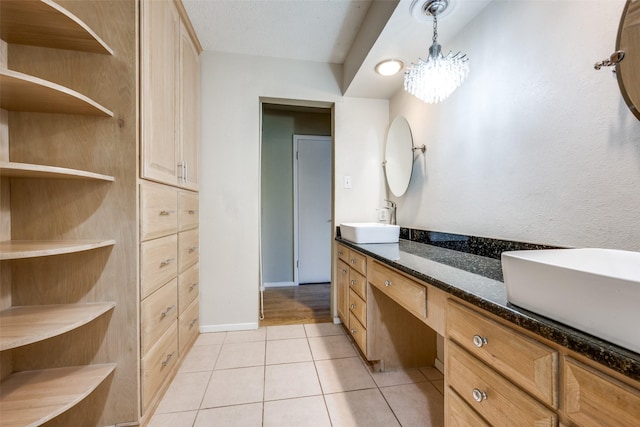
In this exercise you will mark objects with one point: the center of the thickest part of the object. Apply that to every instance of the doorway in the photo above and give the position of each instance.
(288, 260)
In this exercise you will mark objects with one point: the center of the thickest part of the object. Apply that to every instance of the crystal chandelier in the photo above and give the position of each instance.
(434, 79)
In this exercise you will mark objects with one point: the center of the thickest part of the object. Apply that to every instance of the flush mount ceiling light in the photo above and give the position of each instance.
(434, 79)
(389, 67)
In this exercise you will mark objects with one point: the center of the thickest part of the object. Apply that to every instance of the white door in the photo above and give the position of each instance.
(312, 182)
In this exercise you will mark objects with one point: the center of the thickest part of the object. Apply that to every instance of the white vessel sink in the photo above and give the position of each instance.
(594, 290)
(370, 232)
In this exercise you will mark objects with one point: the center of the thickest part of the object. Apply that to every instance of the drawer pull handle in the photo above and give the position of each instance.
(165, 213)
(353, 306)
(167, 262)
(193, 322)
(353, 281)
(166, 312)
(166, 361)
(192, 249)
(340, 253)
(479, 395)
(388, 283)
(191, 211)
(344, 271)
(193, 285)
(479, 341)
(353, 331)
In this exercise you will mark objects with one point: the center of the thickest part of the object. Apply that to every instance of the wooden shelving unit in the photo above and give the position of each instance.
(27, 170)
(20, 249)
(24, 325)
(21, 92)
(31, 398)
(50, 25)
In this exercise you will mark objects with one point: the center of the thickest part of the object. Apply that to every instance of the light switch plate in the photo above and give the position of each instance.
(347, 182)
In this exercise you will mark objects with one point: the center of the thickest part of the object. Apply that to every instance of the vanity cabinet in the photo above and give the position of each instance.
(170, 100)
(506, 377)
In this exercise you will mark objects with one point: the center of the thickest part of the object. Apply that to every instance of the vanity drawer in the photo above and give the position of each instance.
(358, 332)
(401, 289)
(158, 211)
(459, 414)
(188, 216)
(189, 328)
(592, 398)
(187, 249)
(158, 364)
(358, 262)
(528, 363)
(358, 283)
(358, 307)
(343, 253)
(497, 400)
(158, 263)
(188, 284)
(157, 312)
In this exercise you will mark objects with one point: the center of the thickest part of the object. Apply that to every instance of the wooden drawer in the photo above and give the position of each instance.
(157, 313)
(497, 400)
(158, 364)
(358, 332)
(158, 211)
(189, 328)
(528, 363)
(188, 214)
(343, 253)
(358, 283)
(404, 291)
(457, 413)
(358, 262)
(188, 287)
(592, 398)
(158, 263)
(358, 307)
(188, 250)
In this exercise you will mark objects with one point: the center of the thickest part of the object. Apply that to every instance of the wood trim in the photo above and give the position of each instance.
(20, 249)
(188, 25)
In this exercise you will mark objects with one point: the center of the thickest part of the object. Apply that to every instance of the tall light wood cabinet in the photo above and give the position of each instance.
(169, 231)
(67, 213)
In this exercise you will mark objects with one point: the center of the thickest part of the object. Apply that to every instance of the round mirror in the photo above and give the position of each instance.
(628, 70)
(398, 156)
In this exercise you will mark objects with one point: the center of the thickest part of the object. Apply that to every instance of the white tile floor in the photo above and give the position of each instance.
(297, 375)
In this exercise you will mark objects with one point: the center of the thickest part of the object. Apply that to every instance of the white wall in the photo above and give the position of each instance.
(230, 182)
(536, 145)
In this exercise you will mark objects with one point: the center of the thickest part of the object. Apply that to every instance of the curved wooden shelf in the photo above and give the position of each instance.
(27, 170)
(49, 25)
(22, 92)
(19, 249)
(35, 397)
(22, 325)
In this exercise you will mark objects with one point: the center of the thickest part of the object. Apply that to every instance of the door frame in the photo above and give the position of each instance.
(296, 233)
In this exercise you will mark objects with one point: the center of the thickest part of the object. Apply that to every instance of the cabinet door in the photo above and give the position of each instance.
(189, 112)
(343, 291)
(160, 37)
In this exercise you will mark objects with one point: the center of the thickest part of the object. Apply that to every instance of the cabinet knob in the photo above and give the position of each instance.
(353, 331)
(479, 341)
(479, 395)
(353, 306)
(340, 253)
(166, 361)
(344, 271)
(388, 283)
(353, 282)
(353, 261)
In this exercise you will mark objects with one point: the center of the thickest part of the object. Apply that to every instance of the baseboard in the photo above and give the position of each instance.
(278, 284)
(439, 365)
(229, 327)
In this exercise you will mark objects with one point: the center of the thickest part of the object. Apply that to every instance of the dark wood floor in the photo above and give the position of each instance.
(297, 304)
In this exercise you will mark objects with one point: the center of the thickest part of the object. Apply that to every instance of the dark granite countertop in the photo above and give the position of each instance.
(478, 280)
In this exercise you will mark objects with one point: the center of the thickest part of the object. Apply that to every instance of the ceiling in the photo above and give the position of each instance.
(356, 33)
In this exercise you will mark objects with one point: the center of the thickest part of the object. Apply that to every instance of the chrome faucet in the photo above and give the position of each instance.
(392, 209)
